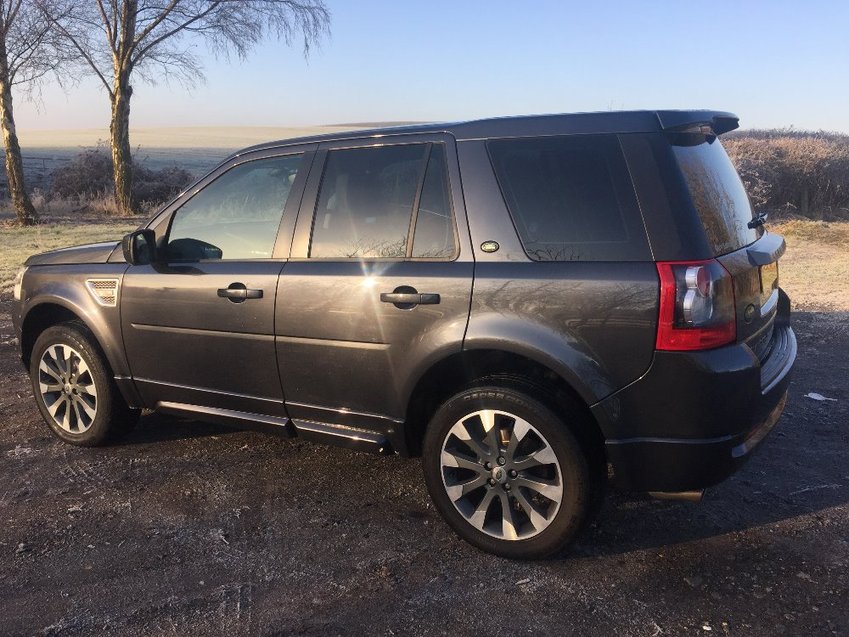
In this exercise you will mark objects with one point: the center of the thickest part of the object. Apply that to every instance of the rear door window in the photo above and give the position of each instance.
(571, 198)
(434, 228)
(384, 202)
(717, 192)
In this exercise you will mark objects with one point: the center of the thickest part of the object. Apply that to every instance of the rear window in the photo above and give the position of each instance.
(717, 192)
(571, 198)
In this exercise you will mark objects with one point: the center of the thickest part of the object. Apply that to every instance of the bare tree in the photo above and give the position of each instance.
(155, 38)
(27, 54)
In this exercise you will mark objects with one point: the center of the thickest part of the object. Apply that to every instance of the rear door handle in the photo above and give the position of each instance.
(406, 297)
(239, 293)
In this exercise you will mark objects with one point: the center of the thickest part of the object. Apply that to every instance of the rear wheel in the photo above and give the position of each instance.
(506, 473)
(74, 391)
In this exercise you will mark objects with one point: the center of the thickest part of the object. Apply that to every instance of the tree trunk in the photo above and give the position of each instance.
(120, 138)
(24, 210)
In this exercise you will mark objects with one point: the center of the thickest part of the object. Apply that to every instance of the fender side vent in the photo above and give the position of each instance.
(105, 291)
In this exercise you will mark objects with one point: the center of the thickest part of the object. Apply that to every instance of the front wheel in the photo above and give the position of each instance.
(506, 473)
(74, 389)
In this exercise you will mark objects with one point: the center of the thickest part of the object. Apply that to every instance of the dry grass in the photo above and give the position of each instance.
(20, 243)
(815, 269)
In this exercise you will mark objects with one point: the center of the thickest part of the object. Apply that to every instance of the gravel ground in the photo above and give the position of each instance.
(188, 528)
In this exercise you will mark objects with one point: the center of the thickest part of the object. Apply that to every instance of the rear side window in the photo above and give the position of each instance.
(384, 202)
(717, 192)
(571, 198)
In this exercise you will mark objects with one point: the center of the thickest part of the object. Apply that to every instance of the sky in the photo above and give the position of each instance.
(774, 63)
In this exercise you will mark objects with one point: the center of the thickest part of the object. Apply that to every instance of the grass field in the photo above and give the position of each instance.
(815, 269)
(19, 243)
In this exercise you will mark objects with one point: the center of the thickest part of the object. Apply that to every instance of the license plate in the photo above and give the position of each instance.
(769, 280)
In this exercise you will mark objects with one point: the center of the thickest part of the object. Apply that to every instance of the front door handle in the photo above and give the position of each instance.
(238, 293)
(405, 297)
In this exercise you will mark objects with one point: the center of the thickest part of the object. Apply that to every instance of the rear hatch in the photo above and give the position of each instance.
(735, 235)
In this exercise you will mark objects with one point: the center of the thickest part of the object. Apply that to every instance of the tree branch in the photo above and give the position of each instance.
(107, 27)
(83, 53)
(140, 53)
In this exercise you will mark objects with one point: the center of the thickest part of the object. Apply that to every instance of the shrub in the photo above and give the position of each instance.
(155, 187)
(89, 176)
(785, 169)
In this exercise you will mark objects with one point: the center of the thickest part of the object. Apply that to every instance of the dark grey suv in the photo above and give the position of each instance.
(529, 303)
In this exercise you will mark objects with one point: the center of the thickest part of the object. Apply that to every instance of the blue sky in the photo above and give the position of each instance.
(774, 63)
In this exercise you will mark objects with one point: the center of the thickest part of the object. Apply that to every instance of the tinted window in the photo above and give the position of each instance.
(366, 201)
(368, 198)
(434, 235)
(717, 192)
(237, 215)
(570, 197)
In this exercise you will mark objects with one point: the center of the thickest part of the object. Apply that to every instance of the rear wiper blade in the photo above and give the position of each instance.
(758, 220)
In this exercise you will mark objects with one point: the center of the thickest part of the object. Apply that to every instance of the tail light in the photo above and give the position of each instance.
(696, 306)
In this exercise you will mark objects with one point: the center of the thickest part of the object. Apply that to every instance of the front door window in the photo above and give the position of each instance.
(235, 217)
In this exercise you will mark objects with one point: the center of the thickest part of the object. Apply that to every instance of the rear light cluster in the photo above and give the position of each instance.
(696, 306)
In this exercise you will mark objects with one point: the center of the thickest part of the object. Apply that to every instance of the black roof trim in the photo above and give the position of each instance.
(537, 125)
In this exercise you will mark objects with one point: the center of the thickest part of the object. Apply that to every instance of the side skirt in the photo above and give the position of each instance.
(328, 433)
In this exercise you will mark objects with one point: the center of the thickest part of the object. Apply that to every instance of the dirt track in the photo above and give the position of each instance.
(188, 528)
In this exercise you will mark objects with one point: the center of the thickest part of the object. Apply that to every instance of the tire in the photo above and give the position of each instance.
(74, 389)
(506, 473)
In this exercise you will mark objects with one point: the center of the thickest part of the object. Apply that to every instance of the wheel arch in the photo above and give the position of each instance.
(491, 366)
(49, 311)
(38, 319)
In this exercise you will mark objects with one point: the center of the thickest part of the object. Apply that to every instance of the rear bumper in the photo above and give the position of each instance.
(694, 418)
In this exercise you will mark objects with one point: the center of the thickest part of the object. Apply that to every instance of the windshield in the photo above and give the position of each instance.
(717, 193)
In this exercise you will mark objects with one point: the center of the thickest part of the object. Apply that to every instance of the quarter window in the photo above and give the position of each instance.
(367, 204)
(571, 198)
(237, 215)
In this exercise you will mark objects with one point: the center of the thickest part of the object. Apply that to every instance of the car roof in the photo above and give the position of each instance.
(536, 125)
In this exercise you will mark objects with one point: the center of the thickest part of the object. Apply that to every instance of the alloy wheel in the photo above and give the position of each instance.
(501, 474)
(67, 388)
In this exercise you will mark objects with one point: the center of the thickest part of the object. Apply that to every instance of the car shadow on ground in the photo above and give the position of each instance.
(634, 522)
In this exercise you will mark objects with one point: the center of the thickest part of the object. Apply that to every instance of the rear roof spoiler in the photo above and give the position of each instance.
(719, 121)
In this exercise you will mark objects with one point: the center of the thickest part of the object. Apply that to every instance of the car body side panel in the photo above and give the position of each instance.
(187, 344)
(347, 357)
(488, 216)
(64, 285)
(592, 323)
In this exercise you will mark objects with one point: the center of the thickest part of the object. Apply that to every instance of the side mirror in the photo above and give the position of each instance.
(139, 247)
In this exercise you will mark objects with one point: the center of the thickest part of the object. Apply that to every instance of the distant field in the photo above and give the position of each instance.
(197, 149)
(223, 137)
